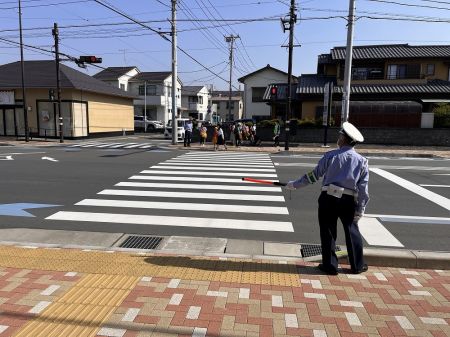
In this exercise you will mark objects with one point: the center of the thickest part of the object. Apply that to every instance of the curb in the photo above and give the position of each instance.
(381, 257)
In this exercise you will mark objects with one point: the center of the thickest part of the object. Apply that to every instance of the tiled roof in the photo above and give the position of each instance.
(392, 51)
(42, 74)
(151, 76)
(112, 73)
(431, 87)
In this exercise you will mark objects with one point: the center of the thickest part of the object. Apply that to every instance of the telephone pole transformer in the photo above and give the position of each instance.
(230, 39)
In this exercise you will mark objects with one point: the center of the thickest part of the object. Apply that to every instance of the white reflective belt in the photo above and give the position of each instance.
(346, 191)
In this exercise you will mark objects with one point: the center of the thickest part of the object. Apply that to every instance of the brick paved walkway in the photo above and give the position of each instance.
(55, 292)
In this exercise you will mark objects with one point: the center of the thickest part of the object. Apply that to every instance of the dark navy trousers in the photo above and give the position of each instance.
(330, 210)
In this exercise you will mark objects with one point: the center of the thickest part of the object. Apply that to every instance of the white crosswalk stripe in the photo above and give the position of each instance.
(120, 145)
(192, 192)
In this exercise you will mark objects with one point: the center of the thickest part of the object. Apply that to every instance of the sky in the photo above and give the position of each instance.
(89, 28)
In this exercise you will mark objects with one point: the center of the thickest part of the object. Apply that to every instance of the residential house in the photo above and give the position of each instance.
(195, 102)
(225, 111)
(392, 85)
(89, 107)
(154, 90)
(255, 85)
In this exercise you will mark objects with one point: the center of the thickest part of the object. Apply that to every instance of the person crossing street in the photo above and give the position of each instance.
(344, 196)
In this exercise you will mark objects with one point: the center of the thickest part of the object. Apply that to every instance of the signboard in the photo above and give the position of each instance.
(327, 93)
(7, 98)
(326, 99)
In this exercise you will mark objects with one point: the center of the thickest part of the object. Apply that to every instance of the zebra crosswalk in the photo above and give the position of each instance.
(195, 189)
(160, 143)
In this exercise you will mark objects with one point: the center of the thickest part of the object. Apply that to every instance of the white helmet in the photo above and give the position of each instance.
(352, 132)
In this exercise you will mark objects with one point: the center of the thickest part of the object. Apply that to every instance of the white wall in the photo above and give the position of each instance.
(124, 79)
(260, 79)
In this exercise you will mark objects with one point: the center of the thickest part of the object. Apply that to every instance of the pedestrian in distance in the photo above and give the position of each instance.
(203, 135)
(188, 126)
(238, 134)
(276, 134)
(220, 137)
(215, 137)
(344, 195)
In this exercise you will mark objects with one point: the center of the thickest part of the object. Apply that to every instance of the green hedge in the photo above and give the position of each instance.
(442, 116)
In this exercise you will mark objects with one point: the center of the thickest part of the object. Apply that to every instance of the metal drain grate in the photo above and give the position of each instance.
(141, 242)
(313, 250)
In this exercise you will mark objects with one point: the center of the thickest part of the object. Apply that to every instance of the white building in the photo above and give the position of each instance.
(195, 102)
(255, 85)
(153, 88)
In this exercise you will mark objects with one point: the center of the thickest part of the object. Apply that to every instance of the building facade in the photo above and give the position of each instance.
(392, 85)
(89, 107)
(255, 85)
(153, 90)
(225, 111)
(195, 102)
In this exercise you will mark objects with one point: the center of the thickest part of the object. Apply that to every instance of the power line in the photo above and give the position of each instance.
(408, 5)
(47, 5)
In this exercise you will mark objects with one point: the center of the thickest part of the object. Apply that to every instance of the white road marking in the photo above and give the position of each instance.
(441, 174)
(188, 163)
(146, 146)
(184, 206)
(426, 185)
(234, 174)
(135, 145)
(121, 145)
(7, 158)
(224, 160)
(376, 234)
(212, 169)
(227, 154)
(191, 195)
(410, 219)
(107, 145)
(82, 144)
(277, 226)
(92, 145)
(50, 159)
(190, 179)
(202, 187)
(431, 196)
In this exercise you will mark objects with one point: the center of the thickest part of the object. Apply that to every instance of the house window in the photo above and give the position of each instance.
(200, 99)
(122, 86)
(258, 93)
(151, 90)
(430, 69)
(193, 99)
(403, 71)
(228, 105)
(218, 105)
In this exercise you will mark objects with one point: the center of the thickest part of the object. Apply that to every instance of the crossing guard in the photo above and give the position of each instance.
(344, 196)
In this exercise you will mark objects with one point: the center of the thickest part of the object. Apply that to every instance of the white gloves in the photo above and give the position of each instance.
(290, 186)
(357, 217)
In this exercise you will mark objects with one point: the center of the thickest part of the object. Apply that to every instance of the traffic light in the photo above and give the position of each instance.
(273, 92)
(90, 59)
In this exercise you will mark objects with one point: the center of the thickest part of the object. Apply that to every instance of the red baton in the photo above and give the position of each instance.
(267, 182)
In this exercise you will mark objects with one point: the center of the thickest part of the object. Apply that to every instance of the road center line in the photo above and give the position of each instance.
(376, 234)
(433, 197)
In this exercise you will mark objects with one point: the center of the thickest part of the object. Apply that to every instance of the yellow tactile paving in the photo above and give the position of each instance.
(188, 268)
(83, 309)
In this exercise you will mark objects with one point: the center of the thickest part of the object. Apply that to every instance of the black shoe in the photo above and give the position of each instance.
(327, 270)
(362, 270)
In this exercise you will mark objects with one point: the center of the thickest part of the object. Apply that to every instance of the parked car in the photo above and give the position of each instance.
(168, 130)
(147, 125)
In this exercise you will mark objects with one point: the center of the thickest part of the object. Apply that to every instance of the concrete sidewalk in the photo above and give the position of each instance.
(73, 292)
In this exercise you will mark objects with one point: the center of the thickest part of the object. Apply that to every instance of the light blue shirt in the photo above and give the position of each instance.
(342, 167)
(188, 126)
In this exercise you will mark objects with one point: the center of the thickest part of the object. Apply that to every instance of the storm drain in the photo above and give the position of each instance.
(141, 242)
(313, 250)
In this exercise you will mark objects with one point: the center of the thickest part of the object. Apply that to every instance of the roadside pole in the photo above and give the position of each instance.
(145, 106)
(174, 74)
(58, 84)
(348, 63)
(22, 65)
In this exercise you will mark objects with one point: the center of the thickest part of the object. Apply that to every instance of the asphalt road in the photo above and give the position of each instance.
(415, 217)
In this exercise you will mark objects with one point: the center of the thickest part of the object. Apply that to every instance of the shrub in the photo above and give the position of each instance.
(442, 116)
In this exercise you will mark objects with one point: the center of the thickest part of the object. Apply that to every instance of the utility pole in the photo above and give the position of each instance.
(230, 39)
(145, 106)
(348, 63)
(22, 65)
(55, 33)
(289, 24)
(174, 74)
